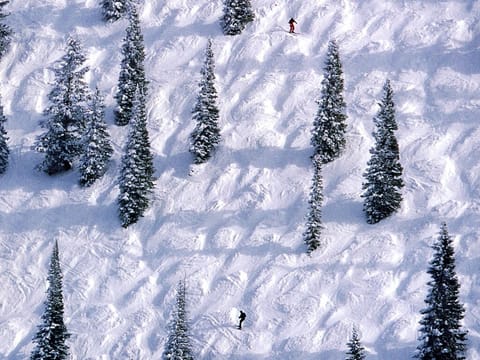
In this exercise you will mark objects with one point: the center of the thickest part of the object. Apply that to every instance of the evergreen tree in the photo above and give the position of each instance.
(136, 174)
(5, 31)
(355, 349)
(383, 177)
(66, 121)
(4, 150)
(236, 15)
(52, 333)
(314, 218)
(178, 346)
(206, 135)
(113, 10)
(441, 333)
(132, 69)
(329, 126)
(97, 149)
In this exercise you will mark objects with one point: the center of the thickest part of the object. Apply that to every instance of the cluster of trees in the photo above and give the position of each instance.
(75, 128)
(442, 336)
(72, 118)
(136, 180)
(441, 332)
(383, 176)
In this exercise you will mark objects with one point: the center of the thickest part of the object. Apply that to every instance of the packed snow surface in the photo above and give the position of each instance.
(233, 229)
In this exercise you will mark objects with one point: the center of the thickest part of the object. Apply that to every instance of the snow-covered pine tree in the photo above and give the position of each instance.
(178, 345)
(97, 149)
(329, 125)
(132, 69)
(355, 349)
(5, 30)
(4, 150)
(52, 334)
(236, 15)
(65, 124)
(206, 135)
(441, 333)
(383, 177)
(136, 174)
(314, 225)
(113, 10)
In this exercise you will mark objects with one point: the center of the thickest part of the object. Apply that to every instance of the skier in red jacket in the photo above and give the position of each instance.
(292, 26)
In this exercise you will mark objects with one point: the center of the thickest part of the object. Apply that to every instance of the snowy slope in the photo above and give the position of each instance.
(234, 228)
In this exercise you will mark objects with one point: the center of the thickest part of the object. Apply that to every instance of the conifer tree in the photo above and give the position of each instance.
(132, 69)
(136, 174)
(206, 135)
(97, 149)
(66, 121)
(236, 15)
(314, 218)
(383, 177)
(5, 31)
(4, 150)
(355, 349)
(329, 125)
(52, 333)
(178, 346)
(441, 333)
(113, 10)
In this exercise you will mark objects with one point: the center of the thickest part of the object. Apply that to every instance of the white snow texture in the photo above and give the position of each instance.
(234, 227)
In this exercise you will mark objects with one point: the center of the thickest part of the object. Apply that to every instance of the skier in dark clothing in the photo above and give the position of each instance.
(292, 26)
(242, 318)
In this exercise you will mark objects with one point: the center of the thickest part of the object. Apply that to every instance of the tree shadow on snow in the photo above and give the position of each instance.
(348, 211)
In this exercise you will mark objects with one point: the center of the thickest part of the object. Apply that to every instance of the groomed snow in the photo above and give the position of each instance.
(234, 228)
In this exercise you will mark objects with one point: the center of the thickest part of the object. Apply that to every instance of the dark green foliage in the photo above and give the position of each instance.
(236, 15)
(441, 334)
(61, 142)
(178, 346)
(113, 10)
(52, 333)
(5, 31)
(4, 150)
(355, 349)
(206, 135)
(329, 126)
(383, 177)
(136, 174)
(132, 69)
(314, 226)
(97, 149)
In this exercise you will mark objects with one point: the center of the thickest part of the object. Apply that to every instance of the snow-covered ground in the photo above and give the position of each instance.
(234, 229)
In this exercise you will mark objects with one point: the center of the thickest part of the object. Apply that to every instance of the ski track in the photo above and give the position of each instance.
(233, 227)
